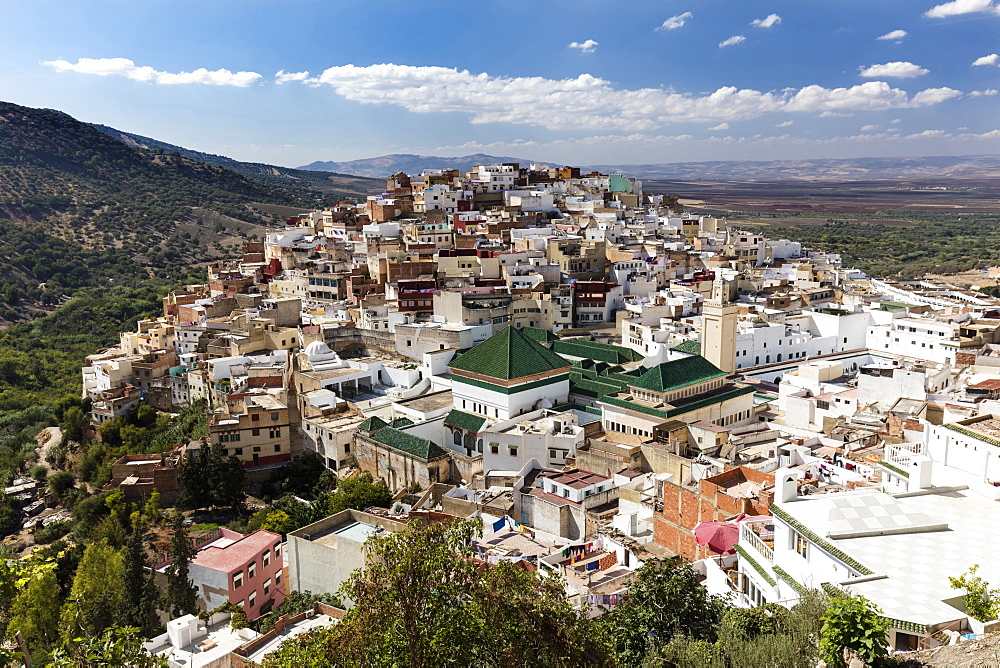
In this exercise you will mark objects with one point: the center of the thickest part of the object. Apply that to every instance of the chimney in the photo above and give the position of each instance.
(787, 484)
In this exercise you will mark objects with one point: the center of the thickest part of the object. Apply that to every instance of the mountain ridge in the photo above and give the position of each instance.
(834, 169)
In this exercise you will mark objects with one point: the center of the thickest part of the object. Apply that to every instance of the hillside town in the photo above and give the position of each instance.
(602, 378)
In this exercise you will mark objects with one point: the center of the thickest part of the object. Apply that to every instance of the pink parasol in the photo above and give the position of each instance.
(717, 536)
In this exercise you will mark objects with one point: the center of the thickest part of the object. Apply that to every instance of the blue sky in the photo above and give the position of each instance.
(289, 82)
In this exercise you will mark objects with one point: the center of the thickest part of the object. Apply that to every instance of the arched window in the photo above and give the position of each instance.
(756, 360)
(470, 441)
(779, 357)
(767, 360)
(458, 437)
(479, 445)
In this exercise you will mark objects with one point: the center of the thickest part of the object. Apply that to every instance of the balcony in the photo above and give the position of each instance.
(760, 536)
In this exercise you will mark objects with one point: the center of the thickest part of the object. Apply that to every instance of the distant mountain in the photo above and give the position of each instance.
(851, 169)
(969, 166)
(386, 165)
(341, 185)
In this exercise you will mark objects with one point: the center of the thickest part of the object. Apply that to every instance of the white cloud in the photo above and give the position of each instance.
(587, 46)
(735, 39)
(992, 59)
(675, 22)
(785, 124)
(896, 120)
(981, 93)
(285, 77)
(894, 35)
(770, 20)
(869, 128)
(720, 126)
(956, 7)
(589, 102)
(126, 68)
(897, 69)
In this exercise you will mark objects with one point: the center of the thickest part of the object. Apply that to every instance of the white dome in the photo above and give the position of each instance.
(317, 348)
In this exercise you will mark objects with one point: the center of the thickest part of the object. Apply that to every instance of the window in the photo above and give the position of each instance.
(277, 447)
(238, 452)
(267, 587)
(277, 579)
(251, 570)
(238, 580)
(256, 432)
(274, 417)
(494, 449)
(277, 550)
(347, 448)
(274, 433)
(253, 599)
(255, 417)
(266, 557)
(800, 544)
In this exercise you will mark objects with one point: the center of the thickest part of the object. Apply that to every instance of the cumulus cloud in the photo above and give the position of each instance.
(957, 7)
(992, 59)
(589, 102)
(981, 93)
(897, 69)
(720, 126)
(586, 46)
(767, 22)
(735, 39)
(675, 22)
(126, 68)
(869, 128)
(785, 124)
(894, 35)
(286, 77)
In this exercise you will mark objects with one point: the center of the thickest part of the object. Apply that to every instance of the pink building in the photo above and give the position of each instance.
(243, 569)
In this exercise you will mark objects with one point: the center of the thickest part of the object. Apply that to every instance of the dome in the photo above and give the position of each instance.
(317, 348)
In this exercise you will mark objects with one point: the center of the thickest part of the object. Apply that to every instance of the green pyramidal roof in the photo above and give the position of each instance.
(678, 373)
(509, 354)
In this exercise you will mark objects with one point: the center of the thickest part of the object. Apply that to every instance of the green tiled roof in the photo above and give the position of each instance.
(507, 355)
(677, 410)
(401, 422)
(757, 567)
(404, 442)
(539, 334)
(678, 373)
(603, 352)
(783, 574)
(691, 347)
(466, 421)
(374, 423)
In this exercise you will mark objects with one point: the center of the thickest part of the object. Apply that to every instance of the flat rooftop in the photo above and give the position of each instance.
(429, 402)
(575, 478)
(939, 535)
(287, 633)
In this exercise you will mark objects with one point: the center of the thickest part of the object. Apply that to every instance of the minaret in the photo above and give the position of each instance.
(718, 327)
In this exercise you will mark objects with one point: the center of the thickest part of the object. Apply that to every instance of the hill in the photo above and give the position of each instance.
(340, 185)
(386, 165)
(848, 169)
(79, 208)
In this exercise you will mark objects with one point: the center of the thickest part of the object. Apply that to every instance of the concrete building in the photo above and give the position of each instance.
(245, 570)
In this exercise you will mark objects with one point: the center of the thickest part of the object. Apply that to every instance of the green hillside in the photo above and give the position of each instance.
(79, 208)
(331, 183)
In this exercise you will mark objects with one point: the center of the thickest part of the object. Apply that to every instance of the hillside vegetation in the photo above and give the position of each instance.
(327, 182)
(81, 209)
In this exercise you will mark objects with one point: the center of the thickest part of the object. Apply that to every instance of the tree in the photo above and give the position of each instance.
(140, 597)
(96, 594)
(60, 483)
(665, 601)
(118, 646)
(35, 612)
(982, 602)
(210, 477)
(852, 625)
(359, 492)
(422, 602)
(181, 597)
